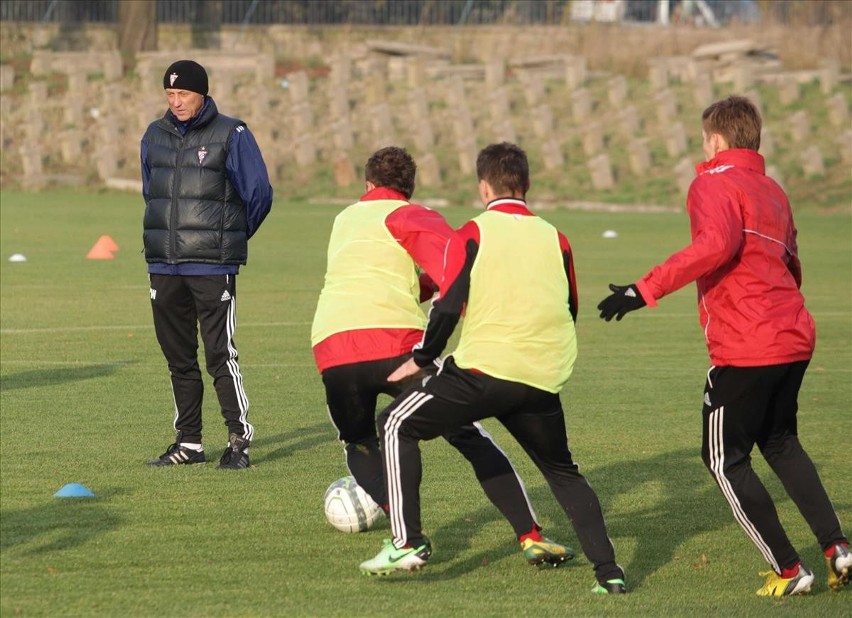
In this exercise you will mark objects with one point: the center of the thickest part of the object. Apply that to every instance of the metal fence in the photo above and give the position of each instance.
(307, 12)
(422, 12)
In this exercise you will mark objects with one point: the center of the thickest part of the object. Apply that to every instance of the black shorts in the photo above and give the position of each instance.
(352, 391)
(457, 397)
(744, 406)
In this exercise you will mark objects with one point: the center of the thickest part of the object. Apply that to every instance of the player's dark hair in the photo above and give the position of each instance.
(392, 167)
(505, 167)
(736, 119)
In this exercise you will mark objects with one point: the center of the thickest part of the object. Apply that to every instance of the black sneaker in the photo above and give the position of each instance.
(236, 455)
(178, 455)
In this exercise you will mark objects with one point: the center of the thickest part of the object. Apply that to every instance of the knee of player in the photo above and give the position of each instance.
(187, 371)
(781, 449)
(362, 446)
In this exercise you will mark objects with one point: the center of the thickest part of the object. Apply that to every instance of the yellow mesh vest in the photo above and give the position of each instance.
(517, 325)
(370, 280)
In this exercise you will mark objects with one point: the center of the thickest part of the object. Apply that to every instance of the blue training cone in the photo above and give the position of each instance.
(74, 490)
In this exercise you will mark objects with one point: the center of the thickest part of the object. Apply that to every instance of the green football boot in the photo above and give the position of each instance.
(391, 559)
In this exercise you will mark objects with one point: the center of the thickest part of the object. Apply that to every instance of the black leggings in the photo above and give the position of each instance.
(748, 406)
(351, 394)
(180, 304)
(534, 418)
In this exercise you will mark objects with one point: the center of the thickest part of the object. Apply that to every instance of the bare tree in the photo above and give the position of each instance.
(137, 26)
(207, 27)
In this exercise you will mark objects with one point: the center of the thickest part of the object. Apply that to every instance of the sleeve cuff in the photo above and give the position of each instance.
(649, 299)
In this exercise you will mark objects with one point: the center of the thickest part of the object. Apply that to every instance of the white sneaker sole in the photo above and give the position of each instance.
(803, 586)
(408, 563)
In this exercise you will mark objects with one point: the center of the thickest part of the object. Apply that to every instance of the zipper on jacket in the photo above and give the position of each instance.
(174, 213)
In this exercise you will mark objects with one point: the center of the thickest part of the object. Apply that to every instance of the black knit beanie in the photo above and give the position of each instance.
(186, 75)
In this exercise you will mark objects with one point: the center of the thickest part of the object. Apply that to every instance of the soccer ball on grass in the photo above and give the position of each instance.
(349, 508)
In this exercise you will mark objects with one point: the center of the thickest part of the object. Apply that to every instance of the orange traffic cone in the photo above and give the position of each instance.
(103, 249)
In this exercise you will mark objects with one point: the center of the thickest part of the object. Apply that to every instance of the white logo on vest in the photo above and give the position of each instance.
(202, 154)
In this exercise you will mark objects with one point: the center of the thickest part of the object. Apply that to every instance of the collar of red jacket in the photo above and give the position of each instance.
(509, 205)
(736, 157)
(383, 193)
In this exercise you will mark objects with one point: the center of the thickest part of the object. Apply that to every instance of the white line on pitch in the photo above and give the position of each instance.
(72, 329)
(133, 364)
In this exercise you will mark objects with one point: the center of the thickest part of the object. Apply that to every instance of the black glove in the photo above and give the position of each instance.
(624, 298)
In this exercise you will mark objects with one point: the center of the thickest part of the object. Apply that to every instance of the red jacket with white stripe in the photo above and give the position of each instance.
(743, 257)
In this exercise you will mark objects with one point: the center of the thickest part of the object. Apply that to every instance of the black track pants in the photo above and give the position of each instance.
(351, 394)
(180, 304)
(748, 406)
(534, 418)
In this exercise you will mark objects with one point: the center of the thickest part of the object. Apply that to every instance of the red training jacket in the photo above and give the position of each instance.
(744, 260)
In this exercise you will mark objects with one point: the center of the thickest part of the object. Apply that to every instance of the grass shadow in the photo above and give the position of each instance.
(686, 504)
(62, 375)
(58, 525)
(303, 438)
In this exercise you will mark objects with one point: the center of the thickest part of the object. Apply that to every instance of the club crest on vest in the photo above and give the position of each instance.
(202, 154)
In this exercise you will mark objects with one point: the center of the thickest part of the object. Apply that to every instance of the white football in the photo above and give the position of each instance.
(349, 508)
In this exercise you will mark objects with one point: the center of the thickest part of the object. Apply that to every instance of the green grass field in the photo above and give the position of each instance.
(85, 398)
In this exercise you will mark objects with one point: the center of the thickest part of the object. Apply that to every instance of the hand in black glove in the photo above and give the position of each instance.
(624, 298)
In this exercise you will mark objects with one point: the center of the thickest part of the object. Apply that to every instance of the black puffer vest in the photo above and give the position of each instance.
(193, 213)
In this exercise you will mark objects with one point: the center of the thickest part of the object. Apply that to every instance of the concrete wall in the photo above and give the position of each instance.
(320, 100)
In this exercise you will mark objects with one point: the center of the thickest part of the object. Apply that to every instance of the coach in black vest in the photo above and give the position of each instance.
(206, 192)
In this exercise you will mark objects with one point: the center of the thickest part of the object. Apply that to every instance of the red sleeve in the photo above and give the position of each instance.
(456, 254)
(448, 308)
(717, 231)
(423, 233)
(568, 260)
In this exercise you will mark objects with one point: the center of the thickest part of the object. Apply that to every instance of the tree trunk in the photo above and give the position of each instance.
(207, 27)
(137, 26)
